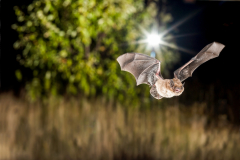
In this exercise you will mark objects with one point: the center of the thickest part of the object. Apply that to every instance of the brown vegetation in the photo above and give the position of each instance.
(85, 129)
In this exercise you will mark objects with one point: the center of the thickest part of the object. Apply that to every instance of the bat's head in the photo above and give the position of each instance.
(176, 86)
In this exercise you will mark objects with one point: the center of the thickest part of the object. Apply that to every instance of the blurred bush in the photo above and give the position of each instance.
(71, 46)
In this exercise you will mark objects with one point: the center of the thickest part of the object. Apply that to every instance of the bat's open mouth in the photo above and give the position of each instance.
(177, 90)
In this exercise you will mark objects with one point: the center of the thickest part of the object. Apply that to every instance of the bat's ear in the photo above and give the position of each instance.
(183, 84)
(171, 83)
(175, 76)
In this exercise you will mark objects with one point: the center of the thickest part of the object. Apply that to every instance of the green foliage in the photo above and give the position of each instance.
(71, 46)
(18, 75)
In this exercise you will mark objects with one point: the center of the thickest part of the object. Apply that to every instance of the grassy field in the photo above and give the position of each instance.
(83, 129)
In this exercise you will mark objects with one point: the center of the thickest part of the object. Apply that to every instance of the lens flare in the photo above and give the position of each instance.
(154, 39)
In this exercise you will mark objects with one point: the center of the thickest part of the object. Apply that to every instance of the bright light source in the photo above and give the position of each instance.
(154, 39)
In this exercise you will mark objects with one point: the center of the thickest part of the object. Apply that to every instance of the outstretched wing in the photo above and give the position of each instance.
(210, 51)
(145, 69)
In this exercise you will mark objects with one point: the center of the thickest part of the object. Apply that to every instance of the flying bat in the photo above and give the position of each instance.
(146, 70)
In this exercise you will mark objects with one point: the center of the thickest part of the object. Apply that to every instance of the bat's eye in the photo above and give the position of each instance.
(171, 83)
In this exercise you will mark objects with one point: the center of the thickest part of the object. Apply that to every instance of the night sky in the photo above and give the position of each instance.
(216, 81)
(216, 21)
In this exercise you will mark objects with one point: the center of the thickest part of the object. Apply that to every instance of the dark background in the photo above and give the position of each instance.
(216, 21)
(217, 81)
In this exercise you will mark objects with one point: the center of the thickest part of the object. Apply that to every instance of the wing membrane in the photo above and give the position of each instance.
(208, 52)
(144, 68)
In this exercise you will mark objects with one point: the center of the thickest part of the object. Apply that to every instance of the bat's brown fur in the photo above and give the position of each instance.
(165, 89)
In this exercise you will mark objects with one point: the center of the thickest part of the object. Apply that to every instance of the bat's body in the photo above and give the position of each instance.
(164, 88)
(147, 70)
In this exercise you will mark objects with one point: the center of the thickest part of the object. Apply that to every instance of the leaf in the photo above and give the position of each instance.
(18, 75)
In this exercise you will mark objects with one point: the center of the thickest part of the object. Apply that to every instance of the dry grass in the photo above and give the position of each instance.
(80, 129)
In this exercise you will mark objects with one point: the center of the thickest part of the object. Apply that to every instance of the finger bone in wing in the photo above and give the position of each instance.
(149, 75)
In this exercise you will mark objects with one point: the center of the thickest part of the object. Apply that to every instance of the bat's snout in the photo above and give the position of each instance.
(177, 90)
